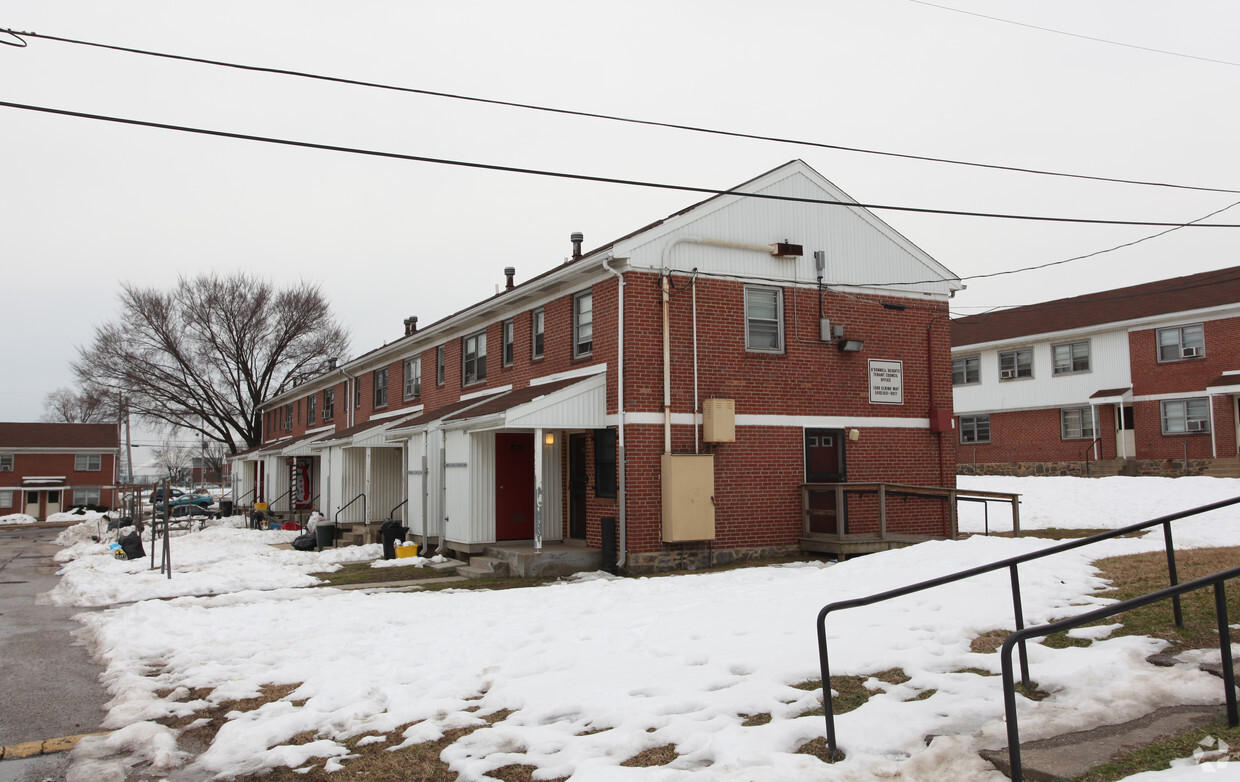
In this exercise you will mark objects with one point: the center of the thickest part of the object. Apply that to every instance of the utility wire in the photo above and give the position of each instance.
(609, 117)
(1078, 35)
(600, 179)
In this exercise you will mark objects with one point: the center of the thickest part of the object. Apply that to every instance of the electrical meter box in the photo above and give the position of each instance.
(719, 421)
(688, 497)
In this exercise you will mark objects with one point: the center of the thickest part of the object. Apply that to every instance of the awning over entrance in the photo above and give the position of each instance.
(1228, 383)
(1111, 396)
(302, 446)
(571, 403)
(369, 433)
(42, 480)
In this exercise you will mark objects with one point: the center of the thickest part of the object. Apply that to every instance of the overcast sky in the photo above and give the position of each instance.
(86, 205)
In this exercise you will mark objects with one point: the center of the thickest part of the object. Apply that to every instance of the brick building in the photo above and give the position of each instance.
(674, 388)
(1142, 380)
(49, 468)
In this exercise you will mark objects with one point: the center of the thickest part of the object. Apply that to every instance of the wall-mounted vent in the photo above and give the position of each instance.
(785, 250)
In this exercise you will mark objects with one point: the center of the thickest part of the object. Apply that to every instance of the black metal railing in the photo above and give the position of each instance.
(361, 497)
(1085, 455)
(1011, 564)
(392, 513)
(271, 506)
(1224, 635)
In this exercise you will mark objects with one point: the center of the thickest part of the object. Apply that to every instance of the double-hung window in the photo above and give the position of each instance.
(1015, 364)
(1076, 423)
(474, 358)
(764, 320)
(507, 329)
(83, 496)
(1181, 342)
(1070, 357)
(288, 417)
(329, 404)
(357, 393)
(1186, 416)
(6, 498)
(583, 324)
(6, 462)
(966, 370)
(413, 377)
(87, 462)
(538, 324)
(441, 363)
(311, 401)
(974, 428)
(381, 387)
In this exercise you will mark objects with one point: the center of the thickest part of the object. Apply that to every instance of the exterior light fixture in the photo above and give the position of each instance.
(850, 345)
(549, 438)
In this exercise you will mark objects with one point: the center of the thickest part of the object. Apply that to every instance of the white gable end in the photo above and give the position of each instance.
(861, 250)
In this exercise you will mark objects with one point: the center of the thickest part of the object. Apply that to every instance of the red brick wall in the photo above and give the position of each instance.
(57, 464)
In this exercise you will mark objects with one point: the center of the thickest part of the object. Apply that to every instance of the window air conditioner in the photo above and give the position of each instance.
(1007, 374)
(1196, 426)
(1191, 352)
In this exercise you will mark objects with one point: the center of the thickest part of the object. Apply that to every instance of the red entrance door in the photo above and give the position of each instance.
(514, 486)
(824, 463)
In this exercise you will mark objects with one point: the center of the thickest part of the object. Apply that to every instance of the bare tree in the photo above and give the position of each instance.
(204, 355)
(210, 462)
(91, 405)
(175, 460)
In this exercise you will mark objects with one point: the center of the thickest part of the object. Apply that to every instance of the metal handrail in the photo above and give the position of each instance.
(1224, 634)
(1011, 564)
(1085, 453)
(361, 497)
(271, 506)
(392, 513)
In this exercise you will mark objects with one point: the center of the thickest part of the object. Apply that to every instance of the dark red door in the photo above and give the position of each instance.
(824, 463)
(514, 486)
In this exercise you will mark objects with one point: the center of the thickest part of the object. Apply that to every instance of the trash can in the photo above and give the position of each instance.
(325, 534)
(392, 532)
(226, 508)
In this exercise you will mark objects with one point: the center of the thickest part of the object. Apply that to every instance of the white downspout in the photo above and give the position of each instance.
(621, 530)
(538, 489)
(667, 365)
(696, 394)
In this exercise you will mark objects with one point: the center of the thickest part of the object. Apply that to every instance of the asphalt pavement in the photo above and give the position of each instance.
(49, 685)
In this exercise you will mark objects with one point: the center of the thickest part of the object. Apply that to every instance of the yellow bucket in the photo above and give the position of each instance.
(403, 552)
(260, 506)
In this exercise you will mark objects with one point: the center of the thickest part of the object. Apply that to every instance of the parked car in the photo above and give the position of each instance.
(178, 499)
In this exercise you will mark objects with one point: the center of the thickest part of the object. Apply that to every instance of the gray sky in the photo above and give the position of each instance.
(85, 205)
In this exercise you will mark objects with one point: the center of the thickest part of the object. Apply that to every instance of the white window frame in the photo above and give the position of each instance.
(474, 358)
(970, 431)
(94, 495)
(1187, 346)
(380, 390)
(311, 408)
(82, 462)
(966, 362)
(329, 404)
(777, 294)
(441, 365)
(507, 337)
(6, 462)
(413, 377)
(538, 332)
(1072, 423)
(583, 324)
(1185, 416)
(1018, 370)
(1069, 358)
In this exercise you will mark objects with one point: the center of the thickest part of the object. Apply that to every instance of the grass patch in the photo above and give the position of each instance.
(654, 756)
(1158, 756)
(363, 573)
(818, 748)
(989, 641)
(754, 720)
(851, 692)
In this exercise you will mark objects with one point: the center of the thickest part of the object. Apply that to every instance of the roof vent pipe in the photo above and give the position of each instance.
(577, 239)
(411, 324)
(509, 273)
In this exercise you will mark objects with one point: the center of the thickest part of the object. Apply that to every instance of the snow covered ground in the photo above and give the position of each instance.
(596, 669)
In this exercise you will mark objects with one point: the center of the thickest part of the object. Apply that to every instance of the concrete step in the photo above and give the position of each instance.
(484, 567)
(1224, 468)
(1075, 754)
(553, 559)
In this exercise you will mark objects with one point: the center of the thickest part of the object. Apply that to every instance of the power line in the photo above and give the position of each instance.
(1078, 35)
(608, 117)
(601, 179)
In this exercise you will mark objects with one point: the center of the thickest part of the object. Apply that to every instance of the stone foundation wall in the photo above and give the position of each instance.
(700, 556)
(1167, 468)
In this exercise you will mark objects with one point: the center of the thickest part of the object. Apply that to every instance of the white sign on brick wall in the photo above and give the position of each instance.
(886, 382)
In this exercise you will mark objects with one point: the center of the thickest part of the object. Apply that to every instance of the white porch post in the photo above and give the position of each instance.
(538, 488)
(366, 488)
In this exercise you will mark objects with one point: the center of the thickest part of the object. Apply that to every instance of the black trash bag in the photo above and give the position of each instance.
(306, 542)
(131, 544)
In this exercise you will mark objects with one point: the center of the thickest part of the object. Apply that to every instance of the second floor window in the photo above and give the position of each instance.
(583, 324)
(87, 462)
(310, 403)
(1181, 342)
(474, 358)
(413, 378)
(329, 404)
(6, 462)
(764, 322)
(441, 362)
(357, 393)
(538, 328)
(966, 370)
(1070, 357)
(508, 343)
(381, 388)
(1015, 364)
(288, 417)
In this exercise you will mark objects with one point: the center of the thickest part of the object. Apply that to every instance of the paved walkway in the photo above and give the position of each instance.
(49, 686)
